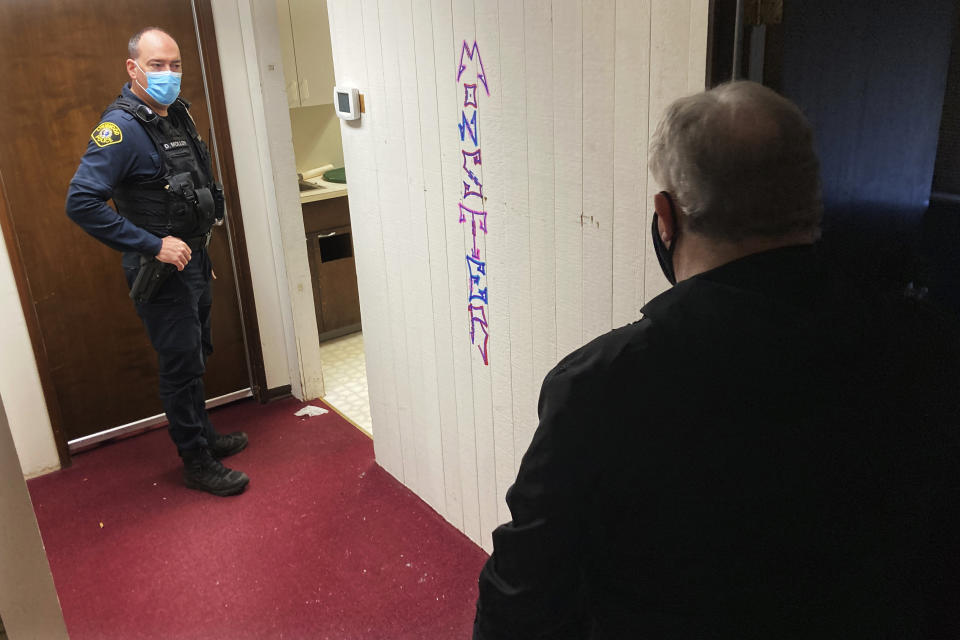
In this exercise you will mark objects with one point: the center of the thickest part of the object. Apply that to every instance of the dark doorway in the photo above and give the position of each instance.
(871, 77)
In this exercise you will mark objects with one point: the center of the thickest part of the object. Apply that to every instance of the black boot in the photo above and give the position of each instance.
(203, 472)
(223, 446)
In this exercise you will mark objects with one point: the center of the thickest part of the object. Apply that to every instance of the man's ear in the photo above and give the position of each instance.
(666, 217)
(131, 69)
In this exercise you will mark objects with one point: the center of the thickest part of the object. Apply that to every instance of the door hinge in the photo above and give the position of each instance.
(758, 12)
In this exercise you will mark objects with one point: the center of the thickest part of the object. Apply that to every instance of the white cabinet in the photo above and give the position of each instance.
(307, 54)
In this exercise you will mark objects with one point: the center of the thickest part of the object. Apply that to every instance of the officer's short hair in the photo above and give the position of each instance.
(133, 47)
(740, 163)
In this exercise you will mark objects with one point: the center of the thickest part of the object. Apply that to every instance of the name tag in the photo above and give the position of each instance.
(175, 144)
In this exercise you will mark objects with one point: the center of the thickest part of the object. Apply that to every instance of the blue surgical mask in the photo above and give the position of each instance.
(162, 86)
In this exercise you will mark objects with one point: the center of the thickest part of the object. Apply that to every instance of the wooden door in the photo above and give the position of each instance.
(64, 65)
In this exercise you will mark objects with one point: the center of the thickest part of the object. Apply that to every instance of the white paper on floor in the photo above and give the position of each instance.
(311, 410)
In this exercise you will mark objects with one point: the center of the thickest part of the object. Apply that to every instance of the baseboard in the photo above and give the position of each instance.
(146, 424)
(339, 333)
(275, 394)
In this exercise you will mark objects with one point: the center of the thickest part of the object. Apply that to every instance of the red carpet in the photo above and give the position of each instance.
(323, 544)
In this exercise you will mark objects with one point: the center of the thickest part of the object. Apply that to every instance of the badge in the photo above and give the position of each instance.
(106, 134)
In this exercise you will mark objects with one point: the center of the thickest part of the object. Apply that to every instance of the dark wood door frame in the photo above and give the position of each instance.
(241, 262)
(33, 327)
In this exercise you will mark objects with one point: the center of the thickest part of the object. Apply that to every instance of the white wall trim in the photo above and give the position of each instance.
(20, 381)
(268, 188)
(248, 44)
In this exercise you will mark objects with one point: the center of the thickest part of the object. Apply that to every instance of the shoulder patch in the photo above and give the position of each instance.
(106, 134)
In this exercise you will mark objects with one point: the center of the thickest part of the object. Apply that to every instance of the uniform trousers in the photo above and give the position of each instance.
(177, 321)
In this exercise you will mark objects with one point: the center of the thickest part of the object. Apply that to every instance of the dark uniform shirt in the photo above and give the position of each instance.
(115, 154)
(762, 456)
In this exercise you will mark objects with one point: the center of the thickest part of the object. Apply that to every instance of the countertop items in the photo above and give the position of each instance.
(321, 189)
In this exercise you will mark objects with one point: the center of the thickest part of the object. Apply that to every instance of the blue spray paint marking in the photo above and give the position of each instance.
(468, 127)
(477, 296)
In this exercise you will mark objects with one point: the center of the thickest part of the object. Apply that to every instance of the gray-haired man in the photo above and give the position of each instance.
(766, 454)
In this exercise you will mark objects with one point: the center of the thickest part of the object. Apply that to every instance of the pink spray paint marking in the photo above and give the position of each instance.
(469, 129)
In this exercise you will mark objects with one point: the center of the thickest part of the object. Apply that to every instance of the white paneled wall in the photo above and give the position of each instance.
(575, 89)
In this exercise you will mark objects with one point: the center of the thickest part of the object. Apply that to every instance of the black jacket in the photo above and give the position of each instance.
(766, 454)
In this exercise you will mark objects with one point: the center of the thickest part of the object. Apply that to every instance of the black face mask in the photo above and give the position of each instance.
(664, 254)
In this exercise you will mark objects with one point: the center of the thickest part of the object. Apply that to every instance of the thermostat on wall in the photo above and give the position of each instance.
(347, 103)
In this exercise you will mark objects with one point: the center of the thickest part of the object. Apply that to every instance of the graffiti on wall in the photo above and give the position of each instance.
(472, 207)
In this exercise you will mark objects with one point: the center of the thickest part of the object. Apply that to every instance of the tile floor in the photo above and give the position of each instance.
(345, 379)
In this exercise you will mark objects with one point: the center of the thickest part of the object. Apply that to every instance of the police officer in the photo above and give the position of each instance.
(147, 156)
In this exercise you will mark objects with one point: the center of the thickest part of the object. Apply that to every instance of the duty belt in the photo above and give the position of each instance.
(198, 242)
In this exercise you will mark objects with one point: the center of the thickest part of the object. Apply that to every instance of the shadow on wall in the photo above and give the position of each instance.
(875, 243)
(894, 249)
(870, 75)
(940, 266)
(316, 137)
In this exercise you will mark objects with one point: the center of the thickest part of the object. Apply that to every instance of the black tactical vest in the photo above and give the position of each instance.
(185, 201)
